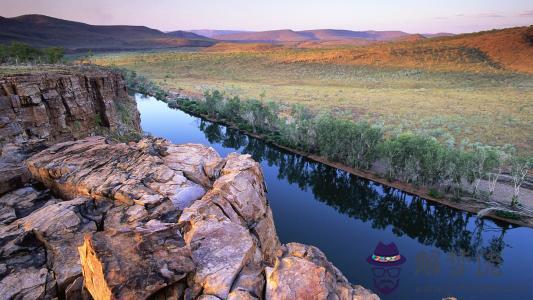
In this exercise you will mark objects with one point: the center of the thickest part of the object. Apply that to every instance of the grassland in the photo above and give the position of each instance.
(445, 90)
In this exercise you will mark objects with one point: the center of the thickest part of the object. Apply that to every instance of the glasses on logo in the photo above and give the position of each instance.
(391, 272)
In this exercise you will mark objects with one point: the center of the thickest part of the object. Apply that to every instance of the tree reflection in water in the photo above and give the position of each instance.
(451, 230)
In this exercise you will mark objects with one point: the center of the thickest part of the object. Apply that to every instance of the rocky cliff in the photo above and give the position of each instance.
(39, 109)
(94, 218)
(64, 105)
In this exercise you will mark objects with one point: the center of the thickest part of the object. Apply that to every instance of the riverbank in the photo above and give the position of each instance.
(505, 211)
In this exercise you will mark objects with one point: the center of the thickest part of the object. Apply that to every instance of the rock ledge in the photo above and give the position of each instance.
(153, 220)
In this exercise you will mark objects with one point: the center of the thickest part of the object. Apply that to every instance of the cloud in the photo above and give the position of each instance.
(480, 15)
(487, 15)
(527, 13)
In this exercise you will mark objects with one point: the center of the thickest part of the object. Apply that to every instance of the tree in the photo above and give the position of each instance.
(520, 166)
(260, 117)
(389, 150)
(4, 55)
(20, 52)
(231, 109)
(299, 130)
(483, 160)
(87, 58)
(354, 144)
(459, 160)
(54, 54)
(213, 100)
(502, 157)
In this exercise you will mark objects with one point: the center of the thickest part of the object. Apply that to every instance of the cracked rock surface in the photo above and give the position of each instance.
(155, 220)
(303, 272)
(152, 220)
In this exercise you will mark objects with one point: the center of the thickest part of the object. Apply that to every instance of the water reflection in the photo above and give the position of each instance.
(449, 253)
(430, 224)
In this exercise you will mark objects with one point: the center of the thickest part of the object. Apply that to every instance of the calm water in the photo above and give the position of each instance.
(449, 252)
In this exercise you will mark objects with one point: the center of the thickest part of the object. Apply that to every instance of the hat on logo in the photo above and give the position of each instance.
(386, 255)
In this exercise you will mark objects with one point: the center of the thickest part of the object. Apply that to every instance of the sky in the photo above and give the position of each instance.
(414, 16)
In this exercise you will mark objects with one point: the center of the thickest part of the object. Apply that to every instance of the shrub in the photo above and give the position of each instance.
(213, 99)
(22, 53)
(417, 159)
(351, 143)
(434, 193)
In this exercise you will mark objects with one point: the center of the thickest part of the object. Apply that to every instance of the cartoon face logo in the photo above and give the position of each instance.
(386, 261)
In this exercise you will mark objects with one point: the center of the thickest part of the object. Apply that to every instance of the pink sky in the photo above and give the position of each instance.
(407, 15)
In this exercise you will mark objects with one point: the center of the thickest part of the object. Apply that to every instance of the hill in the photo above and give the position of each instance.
(505, 49)
(287, 35)
(284, 35)
(243, 47)
(337, 34)
(510, 48)
(212, 33)
(185, 35)
(438, 34)
(44, 31)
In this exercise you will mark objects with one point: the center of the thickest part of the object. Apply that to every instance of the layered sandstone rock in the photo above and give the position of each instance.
(152, 219)
(38, 252)
(37, 110)
(63, 105)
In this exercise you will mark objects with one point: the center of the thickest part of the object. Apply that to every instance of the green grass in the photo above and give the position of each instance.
(492, 107)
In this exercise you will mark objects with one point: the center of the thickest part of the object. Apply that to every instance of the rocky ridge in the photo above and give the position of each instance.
(93, 218)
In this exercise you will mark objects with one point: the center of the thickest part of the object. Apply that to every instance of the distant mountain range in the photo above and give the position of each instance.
(211, 33)
(44, 31)
(439, 34)
(185, 35)
(287, 35)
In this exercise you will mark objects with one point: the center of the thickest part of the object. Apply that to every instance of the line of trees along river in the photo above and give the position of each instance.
(430, 224)
(412, 158)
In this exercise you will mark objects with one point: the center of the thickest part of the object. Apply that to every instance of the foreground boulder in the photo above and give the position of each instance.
(231, 232)
(303, 272)
(153, 220)
(38, 252)
(134, 264)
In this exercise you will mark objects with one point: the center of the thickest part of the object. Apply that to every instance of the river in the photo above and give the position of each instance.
(448, 252)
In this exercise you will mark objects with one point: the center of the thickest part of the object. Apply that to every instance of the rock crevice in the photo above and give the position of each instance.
(156, 220)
